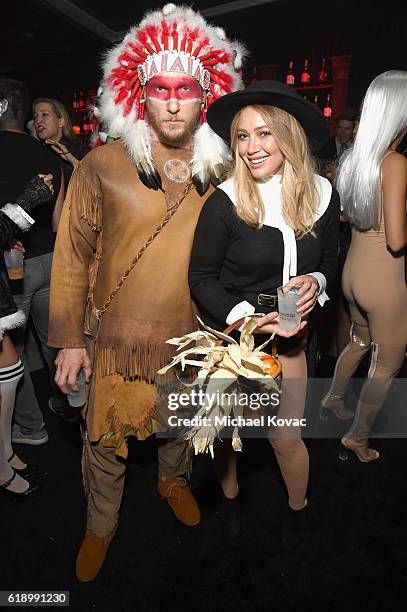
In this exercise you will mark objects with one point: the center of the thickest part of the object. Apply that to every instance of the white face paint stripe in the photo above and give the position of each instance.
(189, 101)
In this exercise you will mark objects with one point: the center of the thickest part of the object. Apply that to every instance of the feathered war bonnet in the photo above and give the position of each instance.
(173, 39)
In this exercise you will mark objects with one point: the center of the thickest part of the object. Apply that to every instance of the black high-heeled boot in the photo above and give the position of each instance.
(293, 530)
(230, 516)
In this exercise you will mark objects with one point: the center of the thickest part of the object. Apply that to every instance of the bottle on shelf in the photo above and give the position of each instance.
(74, 102)
(323, 74)
(305, 75)
(290, 78)
(316, 99)
(81, 103)
(91, 99)
(328, 107)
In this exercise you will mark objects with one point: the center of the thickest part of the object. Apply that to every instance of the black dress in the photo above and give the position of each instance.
(22, 157)
(232, 262)
(78, 149)
(13, 219)
(8, 230)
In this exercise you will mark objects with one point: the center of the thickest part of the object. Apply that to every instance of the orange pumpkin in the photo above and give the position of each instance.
(272, 365)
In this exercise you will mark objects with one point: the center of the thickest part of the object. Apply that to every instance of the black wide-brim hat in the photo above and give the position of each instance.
(271, 93)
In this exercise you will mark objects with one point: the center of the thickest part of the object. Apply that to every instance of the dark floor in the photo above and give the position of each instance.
(354, 556)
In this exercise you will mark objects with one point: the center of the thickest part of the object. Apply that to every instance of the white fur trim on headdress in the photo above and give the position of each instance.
(169, 8)
(173, 29)
(176, 39)
(211, 155)
(137, 138)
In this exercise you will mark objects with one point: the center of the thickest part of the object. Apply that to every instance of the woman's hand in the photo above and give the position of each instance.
(269, 324)
(38, 190)
(308, 292)
(17, 245)
(62, 151)
(47, 179)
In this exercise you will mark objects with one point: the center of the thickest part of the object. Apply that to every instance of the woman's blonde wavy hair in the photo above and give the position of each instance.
(298, 192)
(61, 112)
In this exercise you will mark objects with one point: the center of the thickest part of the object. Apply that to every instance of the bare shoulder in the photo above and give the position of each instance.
(394, 166)
(100, 156)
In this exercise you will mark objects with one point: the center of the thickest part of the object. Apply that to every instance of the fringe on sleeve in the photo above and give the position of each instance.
(82, 191)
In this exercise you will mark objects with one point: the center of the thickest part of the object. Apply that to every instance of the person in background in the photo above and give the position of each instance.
(343, 139)
(333, 324)
(14, 473)
(372, 182)
(22, 157)
(52, 125)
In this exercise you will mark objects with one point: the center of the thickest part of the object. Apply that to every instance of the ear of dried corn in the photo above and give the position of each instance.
(220, 369)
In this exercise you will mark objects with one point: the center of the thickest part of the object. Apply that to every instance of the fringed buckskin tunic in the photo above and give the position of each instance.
(107, 216)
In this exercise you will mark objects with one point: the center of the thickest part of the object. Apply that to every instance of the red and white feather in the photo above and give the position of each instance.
(172, 32)
(174, 28)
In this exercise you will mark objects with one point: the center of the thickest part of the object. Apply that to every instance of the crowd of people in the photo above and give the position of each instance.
(207, 198)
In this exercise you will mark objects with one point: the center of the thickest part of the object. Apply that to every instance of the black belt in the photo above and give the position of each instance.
(270, 300)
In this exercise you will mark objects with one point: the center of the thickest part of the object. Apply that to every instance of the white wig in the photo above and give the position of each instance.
(383, 119)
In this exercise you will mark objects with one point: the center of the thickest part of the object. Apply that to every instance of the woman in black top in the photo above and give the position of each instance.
(273, 222)
(53, 127)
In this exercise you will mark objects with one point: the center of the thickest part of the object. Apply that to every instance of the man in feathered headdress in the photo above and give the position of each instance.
(120, 270)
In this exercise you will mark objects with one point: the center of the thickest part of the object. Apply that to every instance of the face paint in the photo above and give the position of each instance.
(169, 86)
(173, 104)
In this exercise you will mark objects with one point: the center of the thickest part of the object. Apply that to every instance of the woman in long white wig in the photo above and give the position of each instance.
(372, 183)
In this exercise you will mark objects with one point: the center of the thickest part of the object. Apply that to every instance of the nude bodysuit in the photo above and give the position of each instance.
(374, 285)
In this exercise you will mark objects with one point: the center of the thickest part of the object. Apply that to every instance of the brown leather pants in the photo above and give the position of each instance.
(104, 473)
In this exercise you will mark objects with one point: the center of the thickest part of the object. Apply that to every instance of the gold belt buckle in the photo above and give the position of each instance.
(265, 299)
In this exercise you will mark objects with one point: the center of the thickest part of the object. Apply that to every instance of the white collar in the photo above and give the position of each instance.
(271, 192)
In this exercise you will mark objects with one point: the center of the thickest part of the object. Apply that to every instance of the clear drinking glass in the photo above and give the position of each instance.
(287, 308)
(15, 264)
(77, 399)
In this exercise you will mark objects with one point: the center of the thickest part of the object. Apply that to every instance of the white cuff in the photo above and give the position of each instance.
(321, 280)
(239, 311)
(18, 215)
(11, 321)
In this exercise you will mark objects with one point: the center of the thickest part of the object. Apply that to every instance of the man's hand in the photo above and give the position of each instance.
(69, 361)
(269, 324)
(308, 293)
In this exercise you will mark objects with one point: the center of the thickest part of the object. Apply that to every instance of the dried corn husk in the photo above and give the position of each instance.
(220, 369)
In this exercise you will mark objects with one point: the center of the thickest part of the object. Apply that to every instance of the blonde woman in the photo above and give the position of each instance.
(372, 181)
(273, 223)
(52, 125)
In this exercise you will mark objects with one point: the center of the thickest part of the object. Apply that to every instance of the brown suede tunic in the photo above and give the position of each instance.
(107, 216)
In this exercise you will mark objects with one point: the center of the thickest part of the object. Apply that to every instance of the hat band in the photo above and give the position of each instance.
(174, 61)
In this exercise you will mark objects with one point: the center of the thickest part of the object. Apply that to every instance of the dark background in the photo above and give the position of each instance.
(56, 56)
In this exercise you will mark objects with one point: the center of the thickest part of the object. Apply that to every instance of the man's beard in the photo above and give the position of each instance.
(174, 138)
